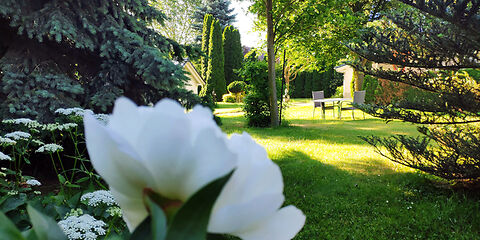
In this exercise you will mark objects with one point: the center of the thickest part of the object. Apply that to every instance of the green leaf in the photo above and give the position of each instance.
(61, 179)
(8, 229)
(29, 234)
(13, 203)
(191, 221)
(154, 226)
(143, 231)
(45, 227)
(159, 220)
(83, 179)
(72, 185)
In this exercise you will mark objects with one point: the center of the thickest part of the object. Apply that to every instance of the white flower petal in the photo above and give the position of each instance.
(114, 159)
(133, 209)
(163, 147)
(284, 225)
(209, 160)
(201, 117)
(169, 107)
(126, 119)
(256, 174)
(236, 218)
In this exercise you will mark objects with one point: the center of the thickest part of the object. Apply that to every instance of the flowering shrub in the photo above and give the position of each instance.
(83, 227)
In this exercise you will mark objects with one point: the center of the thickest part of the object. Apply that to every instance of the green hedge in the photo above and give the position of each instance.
(313, 80)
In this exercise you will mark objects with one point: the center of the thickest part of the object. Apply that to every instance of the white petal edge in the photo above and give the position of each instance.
(284, 225)
(245, 215)
(133, 209)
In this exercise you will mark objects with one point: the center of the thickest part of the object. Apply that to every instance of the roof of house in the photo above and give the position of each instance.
(189, 67)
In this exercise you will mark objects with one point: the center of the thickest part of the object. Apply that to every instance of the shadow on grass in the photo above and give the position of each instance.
(345, 205)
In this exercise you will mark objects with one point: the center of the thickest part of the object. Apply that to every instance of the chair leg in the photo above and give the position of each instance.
(353, 114)
(322, 105)
(339, 106)
(333, 110)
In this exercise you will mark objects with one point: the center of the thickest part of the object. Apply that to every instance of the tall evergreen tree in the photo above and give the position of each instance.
(207, 24)
(233, 52)
(219, 9)
(83, 53)
(435, 46)
(215, 80)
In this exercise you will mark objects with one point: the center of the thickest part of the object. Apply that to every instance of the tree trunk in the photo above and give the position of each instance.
(271, 65)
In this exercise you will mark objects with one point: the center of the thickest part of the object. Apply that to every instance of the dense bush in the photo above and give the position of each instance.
(370, 85)
(381, 91)
(257, 109)
(229, 98)
(256, 102)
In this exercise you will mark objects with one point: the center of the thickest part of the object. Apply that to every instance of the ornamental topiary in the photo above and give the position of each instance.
(236, 87)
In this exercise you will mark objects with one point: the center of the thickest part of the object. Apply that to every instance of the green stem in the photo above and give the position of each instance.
(60, 161)
(77, 153)
(56, 171)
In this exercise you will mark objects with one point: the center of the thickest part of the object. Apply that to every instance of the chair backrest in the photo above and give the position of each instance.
(359, 97)
(317, 95)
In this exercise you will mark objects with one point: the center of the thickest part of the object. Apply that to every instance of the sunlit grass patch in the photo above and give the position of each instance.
(347, 190)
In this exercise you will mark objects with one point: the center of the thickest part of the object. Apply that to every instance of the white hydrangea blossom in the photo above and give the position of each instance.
(51, 147)
(4, 156)
(7, 141)
(17, 135)
(83, 227)
(67, 126)
(57, 126)
(23, 121)
(97, 197)
(33, 182)
(73, 111)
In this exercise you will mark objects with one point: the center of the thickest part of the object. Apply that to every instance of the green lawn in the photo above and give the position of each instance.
(346, 190)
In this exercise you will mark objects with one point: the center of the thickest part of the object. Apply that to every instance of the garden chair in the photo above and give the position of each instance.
(319, 95)
(358, 98)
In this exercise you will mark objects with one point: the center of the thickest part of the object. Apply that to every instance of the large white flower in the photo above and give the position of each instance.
(160, 148)
(248, 206)
(175, 154)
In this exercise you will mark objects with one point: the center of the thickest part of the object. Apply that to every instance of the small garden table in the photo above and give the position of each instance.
(335, 101)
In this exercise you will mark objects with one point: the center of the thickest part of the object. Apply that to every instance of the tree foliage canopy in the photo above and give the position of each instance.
(179, 21)
(83, 53)
(313, 30)
(219, 9)
(430, 43)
